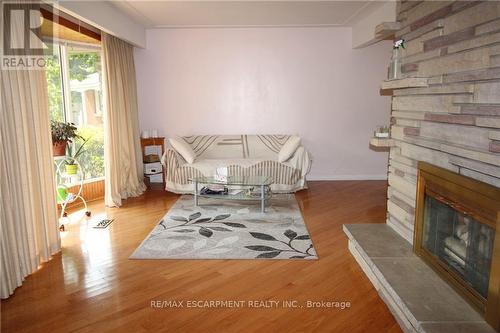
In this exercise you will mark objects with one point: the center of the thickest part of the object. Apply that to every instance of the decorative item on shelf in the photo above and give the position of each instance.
(151, 158)
(62, 133)
(382, 132)
(395, 65)
(381, 140)
(149, 133)
(71, 166)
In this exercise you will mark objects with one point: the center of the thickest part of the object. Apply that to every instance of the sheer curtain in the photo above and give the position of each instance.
(122, 151)
(29, 232)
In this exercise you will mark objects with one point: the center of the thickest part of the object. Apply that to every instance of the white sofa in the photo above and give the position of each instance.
(242, 155)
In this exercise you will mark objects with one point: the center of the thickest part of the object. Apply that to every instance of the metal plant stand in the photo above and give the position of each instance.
(68, 181)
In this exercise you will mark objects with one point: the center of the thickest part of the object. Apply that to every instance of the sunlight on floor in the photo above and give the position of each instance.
(95, 242)
(96, 252)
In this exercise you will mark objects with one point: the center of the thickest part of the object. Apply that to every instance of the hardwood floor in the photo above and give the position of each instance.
(92, 286)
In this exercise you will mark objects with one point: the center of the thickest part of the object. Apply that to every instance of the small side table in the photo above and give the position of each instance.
(158, 141)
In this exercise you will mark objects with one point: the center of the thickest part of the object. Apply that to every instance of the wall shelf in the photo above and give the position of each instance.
(386, 30)
(381, 142)
(383, 31)
(410, 82)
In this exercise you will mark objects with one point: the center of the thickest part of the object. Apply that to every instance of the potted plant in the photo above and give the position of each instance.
(62, 133)
(382, 132)
(71, 166)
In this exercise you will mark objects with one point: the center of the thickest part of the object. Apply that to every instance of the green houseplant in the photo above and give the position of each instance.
(73, 154)
(62, 133)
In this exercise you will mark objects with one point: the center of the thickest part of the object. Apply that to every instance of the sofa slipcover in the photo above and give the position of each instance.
(242, 155)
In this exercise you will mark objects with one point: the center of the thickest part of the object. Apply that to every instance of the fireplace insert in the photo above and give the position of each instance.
(457, 232)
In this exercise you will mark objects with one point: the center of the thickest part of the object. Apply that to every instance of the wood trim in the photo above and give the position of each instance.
(159, 141)
(92, 191)
(467, 182)
(70, 23)
(492, 315)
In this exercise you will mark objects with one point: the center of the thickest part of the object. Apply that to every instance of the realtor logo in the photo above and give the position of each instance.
(22, 44)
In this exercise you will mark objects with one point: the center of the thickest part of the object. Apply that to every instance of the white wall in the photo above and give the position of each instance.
(363, 28)
(269, 80)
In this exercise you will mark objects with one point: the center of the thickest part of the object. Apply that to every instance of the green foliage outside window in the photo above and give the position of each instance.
(53, 75)
(92, 159)
(81, 64)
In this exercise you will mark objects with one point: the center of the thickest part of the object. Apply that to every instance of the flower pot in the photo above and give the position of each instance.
(381, 134)
(59, 148)
(71, 169)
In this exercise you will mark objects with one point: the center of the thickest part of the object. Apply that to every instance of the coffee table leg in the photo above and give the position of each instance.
(196, 193)
(262, 200)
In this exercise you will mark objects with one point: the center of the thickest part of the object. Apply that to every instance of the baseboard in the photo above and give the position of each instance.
(348, 177)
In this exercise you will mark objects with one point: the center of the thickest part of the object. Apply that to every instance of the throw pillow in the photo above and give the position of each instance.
(183, 148)
(289, 148)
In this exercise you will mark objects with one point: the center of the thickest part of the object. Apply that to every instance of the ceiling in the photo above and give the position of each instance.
(179, 14)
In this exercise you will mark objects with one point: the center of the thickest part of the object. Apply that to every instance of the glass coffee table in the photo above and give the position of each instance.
(250, 188)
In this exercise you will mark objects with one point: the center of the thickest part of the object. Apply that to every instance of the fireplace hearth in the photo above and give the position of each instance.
(457, 232)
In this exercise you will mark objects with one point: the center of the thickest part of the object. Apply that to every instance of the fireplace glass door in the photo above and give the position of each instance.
(458, 241)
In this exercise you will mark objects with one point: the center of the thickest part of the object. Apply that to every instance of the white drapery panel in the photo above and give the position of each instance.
(122, 152)
(28, 212)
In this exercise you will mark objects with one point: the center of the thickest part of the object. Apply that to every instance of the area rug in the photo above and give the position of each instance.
(222, 229)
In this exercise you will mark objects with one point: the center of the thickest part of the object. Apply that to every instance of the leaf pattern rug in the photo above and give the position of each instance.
(223, 229)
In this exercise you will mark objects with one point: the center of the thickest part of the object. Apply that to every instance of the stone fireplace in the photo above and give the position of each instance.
(457, 232)
(435, 262)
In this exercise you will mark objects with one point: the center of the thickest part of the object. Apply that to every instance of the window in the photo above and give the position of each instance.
(75, 95)
(54, 83)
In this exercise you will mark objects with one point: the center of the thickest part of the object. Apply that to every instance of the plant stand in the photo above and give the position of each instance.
(69, 181)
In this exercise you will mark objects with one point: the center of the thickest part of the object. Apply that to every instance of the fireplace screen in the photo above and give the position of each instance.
(459, 241)
(457, 232)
